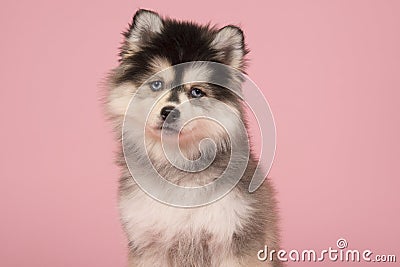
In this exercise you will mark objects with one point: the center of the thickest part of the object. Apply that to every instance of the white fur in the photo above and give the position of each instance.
(119, 97)
(145, 217)
(198, 72)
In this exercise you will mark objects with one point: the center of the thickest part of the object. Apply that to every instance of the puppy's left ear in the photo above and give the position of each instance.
(145, 24)
(229, 41)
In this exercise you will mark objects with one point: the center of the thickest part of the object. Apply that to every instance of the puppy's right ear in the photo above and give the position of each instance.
(144, 25)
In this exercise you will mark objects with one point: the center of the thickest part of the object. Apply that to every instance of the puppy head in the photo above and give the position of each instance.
(179, 101)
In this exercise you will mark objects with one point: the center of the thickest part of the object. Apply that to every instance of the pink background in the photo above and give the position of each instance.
(330, 70)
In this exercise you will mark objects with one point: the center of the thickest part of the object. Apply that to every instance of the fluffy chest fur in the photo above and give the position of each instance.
(147, 220)
(182, 236)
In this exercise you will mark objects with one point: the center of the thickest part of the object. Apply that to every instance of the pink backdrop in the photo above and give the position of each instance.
(330, 70)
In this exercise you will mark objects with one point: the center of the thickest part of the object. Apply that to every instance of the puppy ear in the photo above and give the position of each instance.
(145, 24)
(229, 41)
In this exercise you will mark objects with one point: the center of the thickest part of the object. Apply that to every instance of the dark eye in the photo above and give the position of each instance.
(196, 92)
(156, 85)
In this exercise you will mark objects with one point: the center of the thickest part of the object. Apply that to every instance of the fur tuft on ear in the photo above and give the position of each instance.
(229, 40)
(145, 23)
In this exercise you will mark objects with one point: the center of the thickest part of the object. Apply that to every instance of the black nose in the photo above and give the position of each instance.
(170, 112)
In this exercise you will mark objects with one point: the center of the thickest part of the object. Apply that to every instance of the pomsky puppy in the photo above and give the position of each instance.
(226, 232)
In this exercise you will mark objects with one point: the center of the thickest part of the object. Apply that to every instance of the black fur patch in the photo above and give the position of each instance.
(174, 95)
(178, 42)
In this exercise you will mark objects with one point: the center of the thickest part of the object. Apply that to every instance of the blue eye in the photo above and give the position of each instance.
(196, 92)
(156, 85)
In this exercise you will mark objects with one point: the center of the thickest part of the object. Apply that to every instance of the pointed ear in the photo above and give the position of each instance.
(229, 41)
(145, 24)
